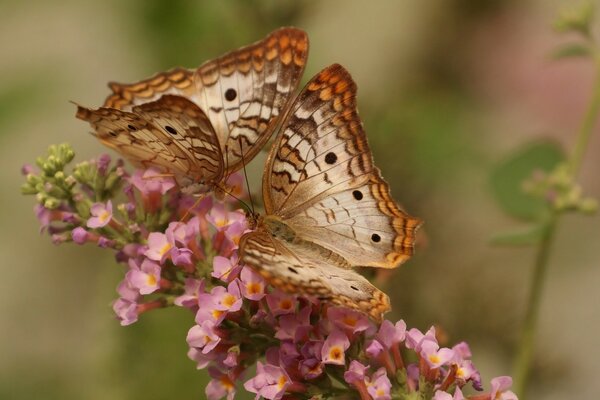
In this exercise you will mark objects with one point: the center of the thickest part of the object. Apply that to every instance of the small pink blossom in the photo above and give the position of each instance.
(380, 385)
(435, 357)
(80, 235)
(126, 310)
(220, 218)
(226, 269)
(221, 385)
(152, 181)
(390, 334)
(145, 278)
(348, 320)
(189, 299)
(356, 373)
(101, 215)
(281, 303)
(295, 326)
(252, 284)
(334, 348)
(415, 337)
(500, 386)
(270, 382)
(159, 247)
(203, 336)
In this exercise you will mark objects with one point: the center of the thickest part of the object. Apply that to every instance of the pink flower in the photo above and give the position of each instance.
(177, 232)
(235, 231)
(415, 337)
(440, 395)
(226, 269)
(220, 218)
(380, 385)
(390, 334)
(203, 336)
(500, 390)
(79, 235)
(159, 247)
(435, 356)
(230, 299)
(221, 385)
(101, 215)
(356, 373)
(270, 381)
(295, 326)
(189, 299)
(252, 284)
(356, 377)
(151, 181)
(126, 310)
(348, 320)
(281, 303)
(334, 348)
(145, 278)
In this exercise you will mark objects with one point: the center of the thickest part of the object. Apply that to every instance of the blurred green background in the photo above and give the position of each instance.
(447, 90)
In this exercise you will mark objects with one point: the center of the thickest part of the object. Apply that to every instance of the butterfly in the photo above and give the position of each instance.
(327, 208)
(202, 125)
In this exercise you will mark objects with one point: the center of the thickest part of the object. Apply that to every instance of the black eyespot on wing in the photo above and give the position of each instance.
(111, 133)
(357, 194)
(292, 270)
(376, 238)
(230, 94)
(171, 130)
(354, 287)
(131, 128)
(330, 158)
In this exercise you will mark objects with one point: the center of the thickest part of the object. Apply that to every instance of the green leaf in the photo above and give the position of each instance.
(571, 51)
(525, 237)
(508, 177)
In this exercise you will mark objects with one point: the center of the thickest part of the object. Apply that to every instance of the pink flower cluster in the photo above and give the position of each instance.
(183, 251)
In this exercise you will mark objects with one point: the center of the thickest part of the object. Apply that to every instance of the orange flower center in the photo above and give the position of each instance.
(254, 288)
(336, 353)
(281, 381)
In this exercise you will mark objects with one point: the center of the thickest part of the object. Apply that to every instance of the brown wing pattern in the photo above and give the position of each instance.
(295, 269)
(243, 92)
(320, 178)
(172, 134)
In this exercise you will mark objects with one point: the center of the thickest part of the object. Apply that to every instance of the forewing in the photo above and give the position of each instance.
(178, 81)
(172, 134)
(320, 178)
(243, 92)
(292, 269)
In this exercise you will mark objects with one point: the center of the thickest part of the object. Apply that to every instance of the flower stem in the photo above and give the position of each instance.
(526, 345)
(587, 126)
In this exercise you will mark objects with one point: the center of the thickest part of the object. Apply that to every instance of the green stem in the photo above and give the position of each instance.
(526, 345)
(587, 125)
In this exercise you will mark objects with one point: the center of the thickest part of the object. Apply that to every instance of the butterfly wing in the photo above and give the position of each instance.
(243, 92)
(171, 133)
(292, 269)
(320, 179)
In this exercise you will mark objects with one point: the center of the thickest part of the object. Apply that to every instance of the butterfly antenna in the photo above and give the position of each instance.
(235, 197)
(200, 198)
(246, 175)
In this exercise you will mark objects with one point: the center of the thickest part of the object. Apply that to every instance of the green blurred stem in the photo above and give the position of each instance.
(527, 344)
(587, 125)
